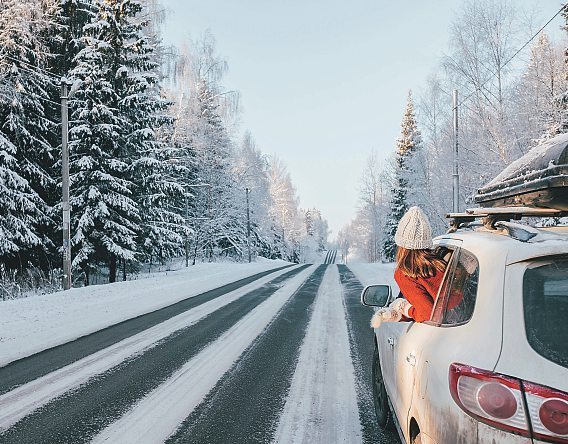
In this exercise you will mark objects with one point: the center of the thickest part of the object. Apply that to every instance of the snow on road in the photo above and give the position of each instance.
(157, 415)
(40, 322)
(377, 273)
(322, 403)
(23, 400)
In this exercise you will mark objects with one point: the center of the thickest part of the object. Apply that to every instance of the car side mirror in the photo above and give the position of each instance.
(376, 295)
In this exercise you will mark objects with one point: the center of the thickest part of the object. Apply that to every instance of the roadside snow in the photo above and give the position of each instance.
(31, 396)
(377, 273)
(34, 324)
(157, 415)
(322, 403)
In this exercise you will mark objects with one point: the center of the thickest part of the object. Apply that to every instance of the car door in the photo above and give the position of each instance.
(443, 339)
(403, 341)
(389, 337)
(402, 344)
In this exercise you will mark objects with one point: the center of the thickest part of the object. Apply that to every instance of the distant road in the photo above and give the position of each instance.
(281, 357)
(330, 257)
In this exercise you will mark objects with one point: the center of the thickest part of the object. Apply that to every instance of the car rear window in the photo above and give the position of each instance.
(545, 295)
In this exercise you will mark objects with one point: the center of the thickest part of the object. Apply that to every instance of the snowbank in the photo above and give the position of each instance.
(377, 273)
(33, 324)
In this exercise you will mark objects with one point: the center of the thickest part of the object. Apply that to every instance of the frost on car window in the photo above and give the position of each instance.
(545, 296)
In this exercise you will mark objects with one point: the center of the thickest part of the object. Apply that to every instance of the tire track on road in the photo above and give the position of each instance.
(79, 415)
(362, 348)
(321, 406)
(32, 367)
(246, 403)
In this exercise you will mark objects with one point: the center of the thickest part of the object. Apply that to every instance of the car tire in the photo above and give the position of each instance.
(380, 397)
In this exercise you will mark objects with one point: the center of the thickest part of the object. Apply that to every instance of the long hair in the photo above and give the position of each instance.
(419, 263)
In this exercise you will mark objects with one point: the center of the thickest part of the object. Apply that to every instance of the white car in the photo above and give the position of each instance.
(491, 364)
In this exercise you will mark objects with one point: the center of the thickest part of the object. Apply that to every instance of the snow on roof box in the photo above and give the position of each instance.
(537, 179)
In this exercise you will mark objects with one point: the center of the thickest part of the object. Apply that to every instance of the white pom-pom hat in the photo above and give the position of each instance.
(414, 231)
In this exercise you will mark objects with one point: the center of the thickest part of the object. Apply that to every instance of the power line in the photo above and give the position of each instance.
(39, 97)
(34, 72)
(514, 55)
(33, 69)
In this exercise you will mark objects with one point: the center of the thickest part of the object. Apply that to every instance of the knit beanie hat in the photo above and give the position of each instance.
(414, 231)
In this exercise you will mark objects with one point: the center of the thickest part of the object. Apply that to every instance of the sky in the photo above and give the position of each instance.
(324, 83)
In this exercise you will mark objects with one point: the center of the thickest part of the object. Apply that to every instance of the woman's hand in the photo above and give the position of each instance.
(393, 313)
(401, 305)
(387, 314)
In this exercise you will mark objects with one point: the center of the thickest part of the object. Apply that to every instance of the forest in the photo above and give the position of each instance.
(512, 80)
(158, 168)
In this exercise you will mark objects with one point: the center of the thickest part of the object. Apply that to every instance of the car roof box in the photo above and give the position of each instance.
(537, 179)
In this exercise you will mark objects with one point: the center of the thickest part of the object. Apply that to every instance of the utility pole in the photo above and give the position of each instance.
(247, 190)
(187, 233)
(455, 175)
(65, 185)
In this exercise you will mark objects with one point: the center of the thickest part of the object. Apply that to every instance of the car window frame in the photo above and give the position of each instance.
(448, 276)
(456, 259)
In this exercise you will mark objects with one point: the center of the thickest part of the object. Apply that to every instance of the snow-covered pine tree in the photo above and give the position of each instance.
(63, 32)
(104, 218)
(407, 144)
(24, 128)
(20, 206)
(144, 112)
(121, 186)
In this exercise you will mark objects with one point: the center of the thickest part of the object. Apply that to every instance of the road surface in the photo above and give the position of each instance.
(280, 357)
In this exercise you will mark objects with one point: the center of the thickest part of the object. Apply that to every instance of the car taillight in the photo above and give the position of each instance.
(499, 401)
(491, 398)
(548, 410)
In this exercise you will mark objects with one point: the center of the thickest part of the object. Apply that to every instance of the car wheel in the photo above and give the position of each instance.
(380, 397)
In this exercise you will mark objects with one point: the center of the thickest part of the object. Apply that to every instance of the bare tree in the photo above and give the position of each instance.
(483, 38)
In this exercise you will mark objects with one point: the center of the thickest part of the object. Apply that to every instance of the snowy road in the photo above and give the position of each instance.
(283, 357)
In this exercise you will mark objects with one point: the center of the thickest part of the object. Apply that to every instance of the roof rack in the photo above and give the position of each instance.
(490, 216)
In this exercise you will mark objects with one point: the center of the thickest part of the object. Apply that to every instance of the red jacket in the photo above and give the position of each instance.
(420, 292)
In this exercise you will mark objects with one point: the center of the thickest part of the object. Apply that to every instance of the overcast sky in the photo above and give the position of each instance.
(325, 82)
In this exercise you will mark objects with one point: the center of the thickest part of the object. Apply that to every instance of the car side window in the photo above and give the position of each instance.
(463, 290)
(456, 299)
(439, 306)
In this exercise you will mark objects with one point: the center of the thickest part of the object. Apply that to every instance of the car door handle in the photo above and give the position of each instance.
(411, 359)
(390, 341)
